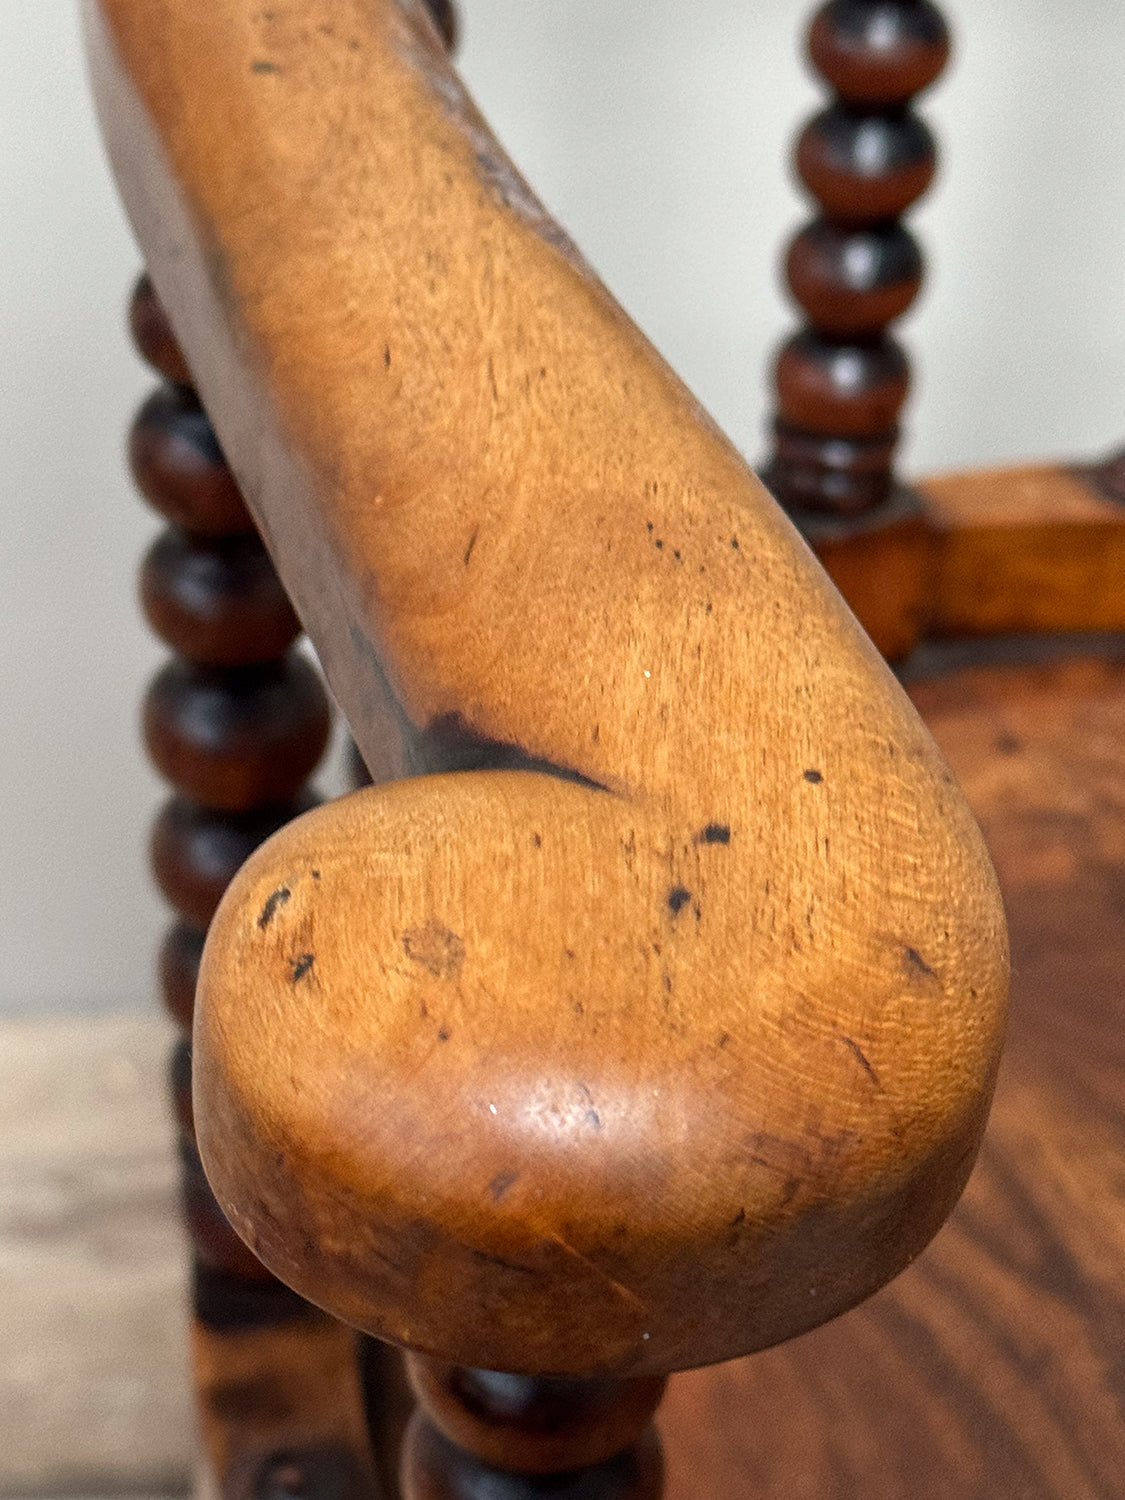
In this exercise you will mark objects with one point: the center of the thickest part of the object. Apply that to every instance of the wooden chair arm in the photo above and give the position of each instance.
(659, 1021)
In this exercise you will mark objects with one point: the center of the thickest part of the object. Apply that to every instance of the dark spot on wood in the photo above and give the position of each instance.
(857, 1052)
(710, 607)
(579, 1008)
(916, 964)
(468, 552)
(275, 900)
(439, 951)
(501, 1184)
(678, 898)
(739, 1218)
(300, 966)
(316, 874)
(387, 356)
(666, 980)
(443, 1034)
(659, 545)
(734, 542)
(262, 65)
(648, 527)
(814, 777)
(724, 1039)
(537, 840)
(676, 555)
(716, 833)
(592, 1116)
(1008, 744)
(569, 952)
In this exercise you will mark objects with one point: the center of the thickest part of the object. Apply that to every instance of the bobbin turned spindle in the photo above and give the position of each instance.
(842, 380)
(235, 720)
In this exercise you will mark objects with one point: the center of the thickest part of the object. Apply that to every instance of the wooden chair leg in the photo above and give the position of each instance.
(237, 721)
(842, 379)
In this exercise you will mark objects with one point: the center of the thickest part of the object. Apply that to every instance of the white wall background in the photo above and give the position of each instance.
(657, 130)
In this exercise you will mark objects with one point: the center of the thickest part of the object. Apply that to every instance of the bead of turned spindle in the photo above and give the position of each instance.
(152, 334)
(845, 390)
(434, 1468)
(324, 1471)
(179, 1084)
(444, 15)
(852, 282)
(178, 970)
(213, 1240)
(196, 851)
(862, 168)
(237, 738)
(216, 599)
(178, 466)
(532, 1425)
(877, 54)
(229, 1303)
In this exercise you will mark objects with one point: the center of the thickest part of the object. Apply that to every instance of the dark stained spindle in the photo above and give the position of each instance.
(842, 379)
(237, 721)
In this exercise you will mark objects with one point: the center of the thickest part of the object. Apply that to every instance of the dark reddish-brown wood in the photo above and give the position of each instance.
(154, 340)
(179, 468)
(217, 599)
(842, 381)
(444, 13)
(433, 1468)
(523, 1425)
(237, 738)
(178, 969)
(236, 721)
(196, 850)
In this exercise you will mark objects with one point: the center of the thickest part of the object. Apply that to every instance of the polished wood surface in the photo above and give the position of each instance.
(991, 1370)
(686, 1029)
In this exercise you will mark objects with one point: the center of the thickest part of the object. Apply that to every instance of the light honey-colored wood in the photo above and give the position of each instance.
(669, 1029)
